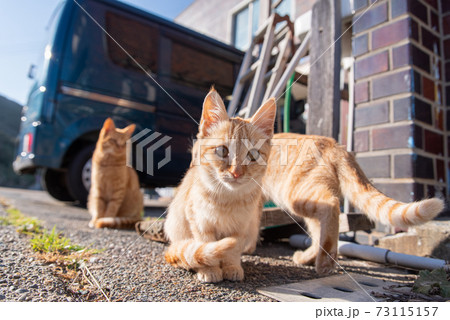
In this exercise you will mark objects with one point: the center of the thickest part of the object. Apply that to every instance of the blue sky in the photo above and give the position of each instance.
(22, 36)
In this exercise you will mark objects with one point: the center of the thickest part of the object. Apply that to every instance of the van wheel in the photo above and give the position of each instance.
(55, 183)
(79, 174)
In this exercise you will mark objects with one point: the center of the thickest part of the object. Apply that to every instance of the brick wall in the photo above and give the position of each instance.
(400, 118)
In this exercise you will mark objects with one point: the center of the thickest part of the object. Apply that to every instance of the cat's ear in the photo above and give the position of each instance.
(213, 112)
(129, 130)
(264, 117)
(108, 126)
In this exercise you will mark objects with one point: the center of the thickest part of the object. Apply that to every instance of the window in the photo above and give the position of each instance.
(200, 69)
(138, 39)
(284, 8)
(245, 24)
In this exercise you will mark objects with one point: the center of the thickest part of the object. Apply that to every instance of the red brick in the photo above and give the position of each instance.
(406, 192)
(419, 10)
(413, 166)
(412, 108)
(376, 167)
(399, 7)
(372, 114)
(445, 6)
(360, 45)
(361, 142)
(447, 49)
(440, 170)
(392, 137)
(408, 54)
(434, 142)
(370, 18)
(439, 119)
(391, 33)
(359, 4)
(428, 88)
(446, 24)
(434, 21)
(372, 65)
(362, 92)
(392, 84)
(431, 41)
(432, 3)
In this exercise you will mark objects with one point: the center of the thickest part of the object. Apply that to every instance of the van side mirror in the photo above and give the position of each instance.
(32, 71)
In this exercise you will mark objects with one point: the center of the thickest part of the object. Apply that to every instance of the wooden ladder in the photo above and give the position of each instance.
(269, 48)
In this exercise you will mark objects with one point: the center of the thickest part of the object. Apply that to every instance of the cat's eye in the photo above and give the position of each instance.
(253, 154)
(222, 151)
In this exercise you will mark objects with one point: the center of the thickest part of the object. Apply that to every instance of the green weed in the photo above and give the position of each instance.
(23, 223)
(53, 242)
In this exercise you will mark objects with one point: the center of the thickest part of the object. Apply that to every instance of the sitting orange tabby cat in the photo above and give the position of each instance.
(215, 215)
(311, 187)
(115, 200)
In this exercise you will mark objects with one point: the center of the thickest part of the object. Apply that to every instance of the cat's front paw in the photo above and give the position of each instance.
(233, 273)
(92, 224)
(212, 274)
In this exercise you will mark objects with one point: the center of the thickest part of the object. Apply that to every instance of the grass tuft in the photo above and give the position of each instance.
(53, 242)
(23, 223)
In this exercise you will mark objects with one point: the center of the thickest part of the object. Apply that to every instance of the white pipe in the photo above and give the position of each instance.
(351, 108)
(379, 255)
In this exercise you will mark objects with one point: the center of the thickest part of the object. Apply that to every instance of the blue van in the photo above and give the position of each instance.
(89, 72)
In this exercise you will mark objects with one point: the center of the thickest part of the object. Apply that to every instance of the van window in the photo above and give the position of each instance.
(198, 68)
(138, 39)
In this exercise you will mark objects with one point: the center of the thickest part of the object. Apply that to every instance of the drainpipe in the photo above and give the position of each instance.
(374, 254)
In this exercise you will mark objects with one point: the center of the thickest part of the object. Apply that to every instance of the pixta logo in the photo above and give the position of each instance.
(144, 146)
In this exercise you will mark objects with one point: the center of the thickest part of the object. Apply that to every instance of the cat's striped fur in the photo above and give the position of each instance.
(312, 188)
(215, 214)
(115, 199)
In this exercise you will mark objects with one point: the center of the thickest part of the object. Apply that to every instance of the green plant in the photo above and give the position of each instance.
(23, 223)
(434, 282)
(53, 242)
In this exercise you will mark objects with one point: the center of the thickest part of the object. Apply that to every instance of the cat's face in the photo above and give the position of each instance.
(113, 140)
(233, 152)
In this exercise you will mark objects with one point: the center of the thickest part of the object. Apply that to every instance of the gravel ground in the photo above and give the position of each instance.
(132, 268)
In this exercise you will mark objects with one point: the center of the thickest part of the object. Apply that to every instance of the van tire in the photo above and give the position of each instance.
(74, 174)
(55, 183)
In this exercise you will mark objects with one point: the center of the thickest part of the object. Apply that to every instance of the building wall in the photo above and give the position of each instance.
(212, 17)
(209, 17)
(400, 134)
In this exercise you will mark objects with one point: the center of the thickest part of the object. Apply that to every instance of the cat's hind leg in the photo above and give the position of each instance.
(328, 213)
(322, 218)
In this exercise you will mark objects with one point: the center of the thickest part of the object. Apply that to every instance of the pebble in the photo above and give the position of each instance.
(2, 297)
(23, 297)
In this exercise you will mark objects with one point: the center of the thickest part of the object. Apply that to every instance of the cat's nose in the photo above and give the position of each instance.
(236, 172)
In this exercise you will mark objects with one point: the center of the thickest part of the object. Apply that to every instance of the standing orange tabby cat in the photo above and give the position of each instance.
(306, 175)
(115, 199)
(215, 214)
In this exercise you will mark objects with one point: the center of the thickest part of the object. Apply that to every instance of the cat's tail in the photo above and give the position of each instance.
(362, 194)
(116, 222)
(190, 254)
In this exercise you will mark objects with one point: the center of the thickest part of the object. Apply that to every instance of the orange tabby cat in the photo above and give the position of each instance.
(215, 215)
(306, 175)
(115, 200)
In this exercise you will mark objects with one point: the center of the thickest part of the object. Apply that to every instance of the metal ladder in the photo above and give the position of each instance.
(269, 47)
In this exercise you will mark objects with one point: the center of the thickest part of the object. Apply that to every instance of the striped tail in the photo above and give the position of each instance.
(358, 189)
(190, 254)
(116, 222)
